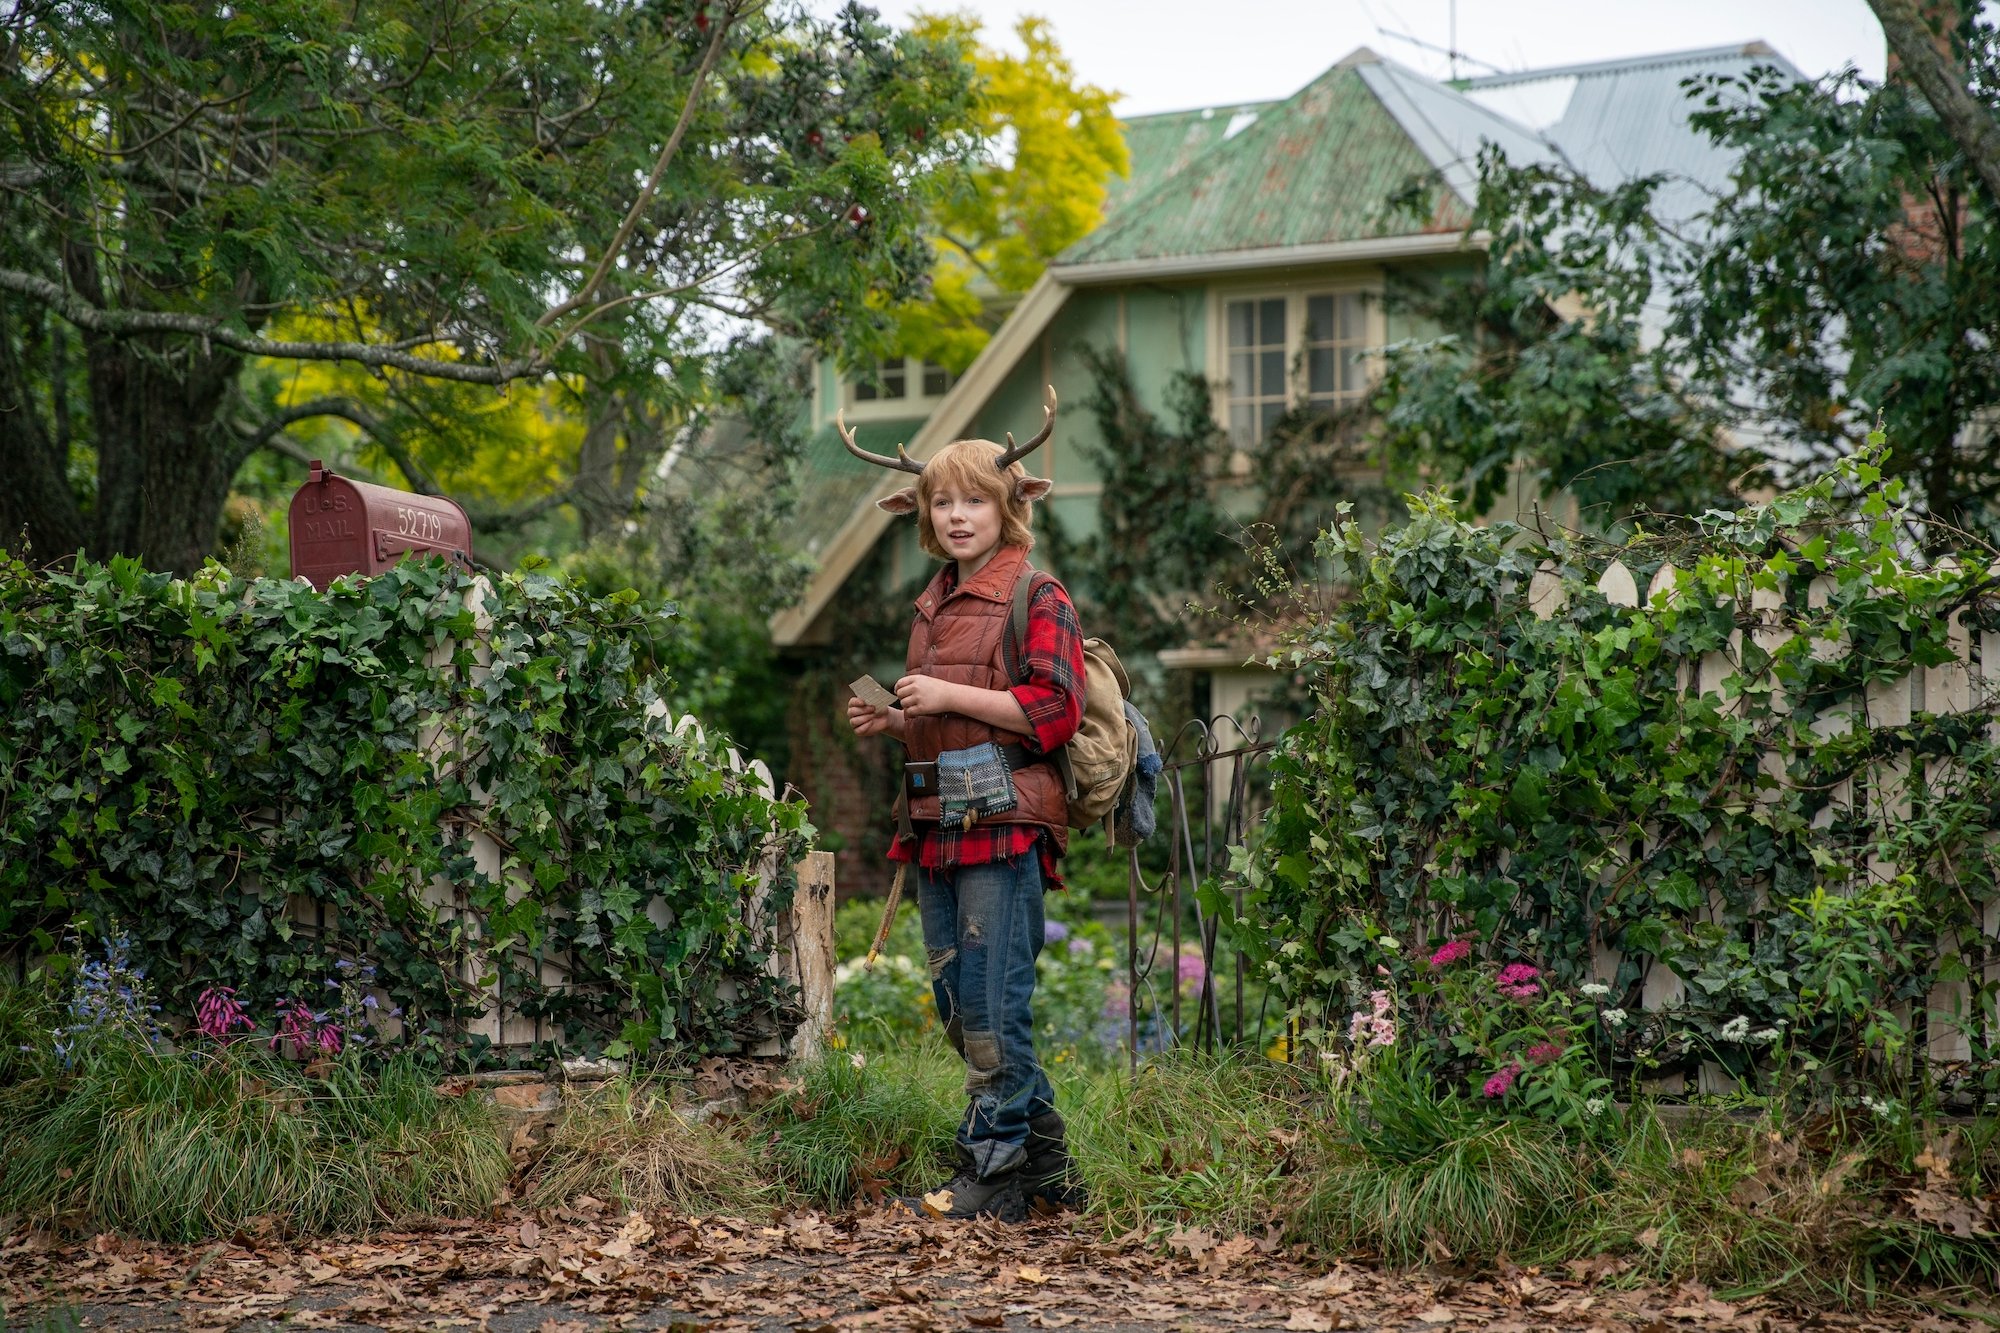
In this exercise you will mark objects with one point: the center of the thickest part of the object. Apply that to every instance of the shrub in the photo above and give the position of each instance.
(180, 759)
(1698, 785)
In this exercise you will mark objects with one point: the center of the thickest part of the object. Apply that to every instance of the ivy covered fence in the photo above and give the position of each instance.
(1749, 810)
(471, 788)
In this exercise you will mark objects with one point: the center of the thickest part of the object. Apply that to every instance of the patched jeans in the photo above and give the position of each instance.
(983, 932)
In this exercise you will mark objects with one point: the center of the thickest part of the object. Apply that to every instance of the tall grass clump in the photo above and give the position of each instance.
(180, 1147)
(883, 1122)
(1191, 1138)
(1414, 1172)
(627, 1144)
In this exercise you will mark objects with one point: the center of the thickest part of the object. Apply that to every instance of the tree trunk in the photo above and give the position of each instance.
(1914, 41)
(163, 457)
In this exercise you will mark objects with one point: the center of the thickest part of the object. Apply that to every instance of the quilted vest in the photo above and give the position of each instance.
(959, 636)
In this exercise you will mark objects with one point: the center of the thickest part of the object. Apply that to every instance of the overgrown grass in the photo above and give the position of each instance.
(882, 1123)
(180, 1148)
(1191, 1139)
(625, 1143)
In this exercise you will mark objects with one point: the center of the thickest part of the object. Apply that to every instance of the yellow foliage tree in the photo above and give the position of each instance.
(1052, 148)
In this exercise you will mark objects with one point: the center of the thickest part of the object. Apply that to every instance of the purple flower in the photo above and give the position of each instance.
(1053, 931)
(1080, 946)
(1497, 1085)
(1544, 1053)
(1450, 952)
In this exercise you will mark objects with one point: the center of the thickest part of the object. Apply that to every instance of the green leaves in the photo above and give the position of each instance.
(1737, 786)
(193, 759)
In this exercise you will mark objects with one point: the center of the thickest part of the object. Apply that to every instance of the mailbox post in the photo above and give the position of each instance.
(340, 526)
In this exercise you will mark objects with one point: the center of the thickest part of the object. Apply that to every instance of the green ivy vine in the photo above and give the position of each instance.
(1698, 784)
(187, 760)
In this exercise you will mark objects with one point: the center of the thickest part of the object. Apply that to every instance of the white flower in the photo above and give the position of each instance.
(1763, 1036)
(857, 1059)
(1613, 1017)
(1736, 1029)
(1389, 942)
(1595, 1106)
(1594, 990)
(1887, 1110)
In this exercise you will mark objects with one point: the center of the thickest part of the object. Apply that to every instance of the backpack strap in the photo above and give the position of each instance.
(1025, 588)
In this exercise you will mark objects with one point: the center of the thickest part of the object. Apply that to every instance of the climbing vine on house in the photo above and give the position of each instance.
(182, 762)
(1715, 784)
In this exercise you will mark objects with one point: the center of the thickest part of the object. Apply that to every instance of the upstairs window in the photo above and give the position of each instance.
(1257, 397)
(1335, 333)
(894, 384)
(1288, 350)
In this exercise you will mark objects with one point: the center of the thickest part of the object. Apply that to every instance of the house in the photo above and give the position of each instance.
(1250, 245)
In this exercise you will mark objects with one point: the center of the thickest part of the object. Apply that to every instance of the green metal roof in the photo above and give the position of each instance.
(1317, 168)
(1161, 145)
(834, 481)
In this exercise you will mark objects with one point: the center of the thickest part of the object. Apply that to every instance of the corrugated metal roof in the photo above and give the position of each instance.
(1317, 168)
(1449, 127)
(836, 481)
(1161, 145)
(1628, 118)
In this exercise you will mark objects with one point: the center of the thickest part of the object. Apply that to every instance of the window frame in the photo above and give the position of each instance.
(1295, 295)
(914, 402)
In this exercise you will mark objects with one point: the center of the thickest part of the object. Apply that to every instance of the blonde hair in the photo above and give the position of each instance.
(967, 467)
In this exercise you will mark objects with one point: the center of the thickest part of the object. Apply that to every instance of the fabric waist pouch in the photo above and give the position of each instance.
(973, 784)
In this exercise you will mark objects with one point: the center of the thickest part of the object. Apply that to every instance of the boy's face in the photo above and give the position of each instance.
(966, 524)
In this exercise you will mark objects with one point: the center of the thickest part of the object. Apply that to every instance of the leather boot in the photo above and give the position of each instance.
(1000, 1196)
(1049, 1177)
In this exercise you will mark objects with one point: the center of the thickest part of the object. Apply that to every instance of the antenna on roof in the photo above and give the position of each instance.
(1450, 51)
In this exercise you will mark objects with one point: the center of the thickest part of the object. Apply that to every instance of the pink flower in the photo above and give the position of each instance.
(1451, 951)
(1517, 981)
(1543, 1053)
(218, 1012)
(1497, 1085)
(1377, 1026)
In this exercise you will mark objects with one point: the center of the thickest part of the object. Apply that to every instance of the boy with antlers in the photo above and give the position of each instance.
(983, 813)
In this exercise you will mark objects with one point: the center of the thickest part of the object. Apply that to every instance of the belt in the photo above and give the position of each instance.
(920, 781)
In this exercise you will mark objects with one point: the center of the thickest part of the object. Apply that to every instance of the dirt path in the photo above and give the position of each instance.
(811, 1273)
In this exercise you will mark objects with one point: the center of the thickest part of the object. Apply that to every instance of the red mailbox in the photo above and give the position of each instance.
(350, 527)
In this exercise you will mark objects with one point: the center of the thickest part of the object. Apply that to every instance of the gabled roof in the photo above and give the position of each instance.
(1160, 145)
(1320, 168)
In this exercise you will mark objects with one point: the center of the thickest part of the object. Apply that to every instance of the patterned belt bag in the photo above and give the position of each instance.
(973, 784)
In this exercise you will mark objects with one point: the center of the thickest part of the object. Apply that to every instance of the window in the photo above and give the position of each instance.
(937, 380)
(1256, 367)
(1283, 351)
(1335, 333)
(895, 384)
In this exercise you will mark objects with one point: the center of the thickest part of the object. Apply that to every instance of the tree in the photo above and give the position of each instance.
(1049, 148)
(1844, 276)
(196, 200)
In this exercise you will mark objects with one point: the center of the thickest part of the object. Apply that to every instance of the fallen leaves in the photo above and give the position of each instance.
(591, 1267)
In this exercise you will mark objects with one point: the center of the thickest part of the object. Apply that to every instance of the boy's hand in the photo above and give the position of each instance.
(868, 720)
(926, 696)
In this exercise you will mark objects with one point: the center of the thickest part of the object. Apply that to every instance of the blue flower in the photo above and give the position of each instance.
(1052, 931)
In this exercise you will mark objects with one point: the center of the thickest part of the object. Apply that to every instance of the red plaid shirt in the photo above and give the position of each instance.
(1051, 694)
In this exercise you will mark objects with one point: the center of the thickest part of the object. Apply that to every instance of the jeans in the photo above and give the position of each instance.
(983, 932)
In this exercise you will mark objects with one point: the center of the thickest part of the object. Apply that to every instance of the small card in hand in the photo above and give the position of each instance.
(871, 691)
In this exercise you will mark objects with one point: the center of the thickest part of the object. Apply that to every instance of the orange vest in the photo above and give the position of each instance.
(960, 637)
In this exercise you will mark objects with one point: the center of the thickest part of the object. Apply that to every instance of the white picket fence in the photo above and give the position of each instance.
(1969, 683)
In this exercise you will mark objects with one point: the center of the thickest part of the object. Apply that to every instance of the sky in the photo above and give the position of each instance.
(1167, 55)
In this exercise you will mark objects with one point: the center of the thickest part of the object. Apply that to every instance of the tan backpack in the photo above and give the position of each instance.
(1098, 763)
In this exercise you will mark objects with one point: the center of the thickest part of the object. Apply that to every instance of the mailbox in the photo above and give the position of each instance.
(340, 527)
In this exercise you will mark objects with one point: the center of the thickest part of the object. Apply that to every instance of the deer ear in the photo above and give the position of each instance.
(1030, 489)
(902, 502)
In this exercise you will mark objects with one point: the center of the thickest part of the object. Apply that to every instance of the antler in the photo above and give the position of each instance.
(902, 462)
(1015, 453)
